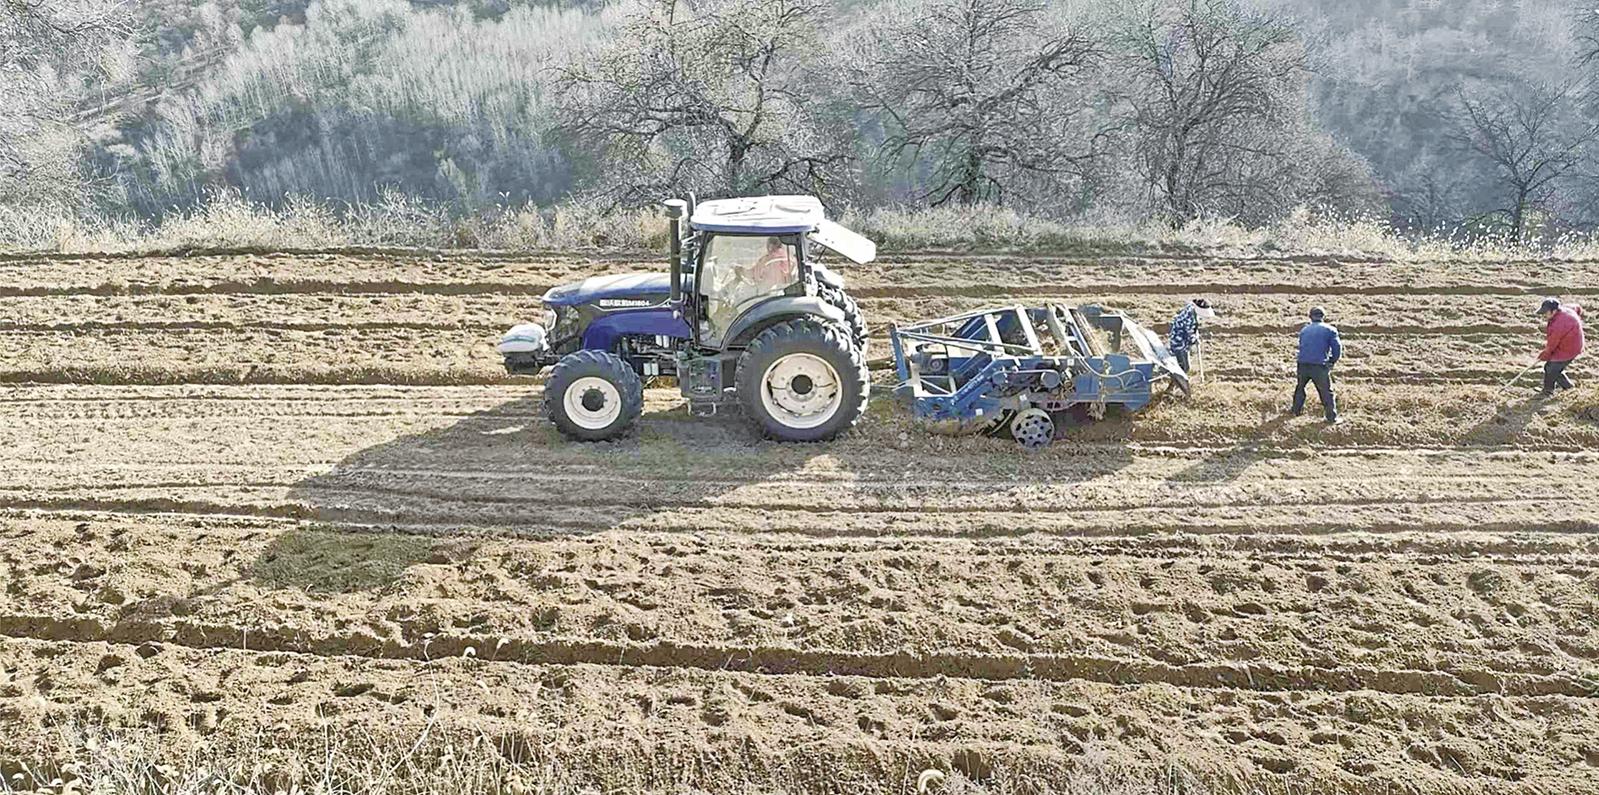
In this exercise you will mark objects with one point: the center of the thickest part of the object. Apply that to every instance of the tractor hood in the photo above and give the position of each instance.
(636, 289)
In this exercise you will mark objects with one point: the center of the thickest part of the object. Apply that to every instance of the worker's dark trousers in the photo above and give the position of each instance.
(1182, 360)
(1554, 374)
(1321, 376)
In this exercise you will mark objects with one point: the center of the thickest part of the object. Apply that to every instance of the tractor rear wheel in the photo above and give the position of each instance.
(852, 314)
(593, 396)
(802, 381)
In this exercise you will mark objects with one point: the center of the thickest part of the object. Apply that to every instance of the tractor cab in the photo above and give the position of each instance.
(738, 272)
(738, 255)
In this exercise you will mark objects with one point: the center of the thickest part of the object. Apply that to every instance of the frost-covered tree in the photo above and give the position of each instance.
(979, 94)
(365, 99)
(52, 53)
(1532, 138)
(718, 97)
(1212, 86)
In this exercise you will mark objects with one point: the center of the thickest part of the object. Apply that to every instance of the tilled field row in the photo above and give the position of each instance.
(376, 353)
(491, 314)
(1223, 428)
(1000, 667)
(1417, 615)
(850, 728)
(1272, 496)
(421, 509)
(963, 275)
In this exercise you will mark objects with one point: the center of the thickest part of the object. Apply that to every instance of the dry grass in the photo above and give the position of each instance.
(227, 221)
(342, 761)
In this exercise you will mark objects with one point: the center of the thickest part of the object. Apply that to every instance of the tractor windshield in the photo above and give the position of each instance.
(740, 271)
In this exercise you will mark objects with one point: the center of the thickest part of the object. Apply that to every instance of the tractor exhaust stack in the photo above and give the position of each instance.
(675, 210)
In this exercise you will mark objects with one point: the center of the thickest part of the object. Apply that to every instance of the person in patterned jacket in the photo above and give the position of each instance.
(1185, 329)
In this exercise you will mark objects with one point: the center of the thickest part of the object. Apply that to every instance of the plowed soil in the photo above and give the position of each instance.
(289, 495)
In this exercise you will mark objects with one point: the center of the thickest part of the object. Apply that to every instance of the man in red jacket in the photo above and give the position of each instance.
(1563, 342)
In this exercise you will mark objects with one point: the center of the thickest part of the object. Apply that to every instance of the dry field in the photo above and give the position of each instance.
(252, 502)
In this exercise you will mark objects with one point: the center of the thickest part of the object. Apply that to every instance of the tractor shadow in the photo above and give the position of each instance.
(506, 470)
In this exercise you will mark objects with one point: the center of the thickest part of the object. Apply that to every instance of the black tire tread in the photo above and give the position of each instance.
(852, 314)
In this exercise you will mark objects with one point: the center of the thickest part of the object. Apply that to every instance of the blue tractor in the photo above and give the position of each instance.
(744, 315)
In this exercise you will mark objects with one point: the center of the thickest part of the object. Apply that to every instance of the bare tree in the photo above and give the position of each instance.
(1532, 137)
(714, 97)
(1211, 85)
(971, 88)
(1587, 25)
(47, 49)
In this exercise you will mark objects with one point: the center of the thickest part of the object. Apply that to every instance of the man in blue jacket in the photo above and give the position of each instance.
(1319, 350)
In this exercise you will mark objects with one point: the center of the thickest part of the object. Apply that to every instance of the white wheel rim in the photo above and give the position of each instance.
(801, 391)
(592, 419)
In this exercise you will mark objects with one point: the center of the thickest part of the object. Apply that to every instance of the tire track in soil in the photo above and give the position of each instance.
(774, 660)
(252, 325)
(555, 522)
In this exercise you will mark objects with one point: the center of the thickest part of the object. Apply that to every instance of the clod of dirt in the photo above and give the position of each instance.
(87, 571)
(973, 764)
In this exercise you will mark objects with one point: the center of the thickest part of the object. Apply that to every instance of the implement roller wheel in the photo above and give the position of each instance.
(1033, 428)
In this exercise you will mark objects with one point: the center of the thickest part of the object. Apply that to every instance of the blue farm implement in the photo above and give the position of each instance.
(1029, 369)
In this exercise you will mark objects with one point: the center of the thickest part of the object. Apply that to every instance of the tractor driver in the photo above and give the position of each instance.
(775, 268)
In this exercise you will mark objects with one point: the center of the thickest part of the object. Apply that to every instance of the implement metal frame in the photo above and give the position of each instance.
(979, 364)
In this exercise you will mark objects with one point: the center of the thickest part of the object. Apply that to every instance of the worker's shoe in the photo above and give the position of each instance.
(1335, 420)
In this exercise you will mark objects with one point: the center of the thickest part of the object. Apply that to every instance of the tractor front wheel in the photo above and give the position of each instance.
(593, 396)
(802, 381)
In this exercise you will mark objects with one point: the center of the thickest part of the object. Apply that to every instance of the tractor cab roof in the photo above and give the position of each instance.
(781, 215)
(759, 215)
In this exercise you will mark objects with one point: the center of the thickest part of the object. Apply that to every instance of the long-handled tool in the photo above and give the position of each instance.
(1199, 353)
(1512, 382)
